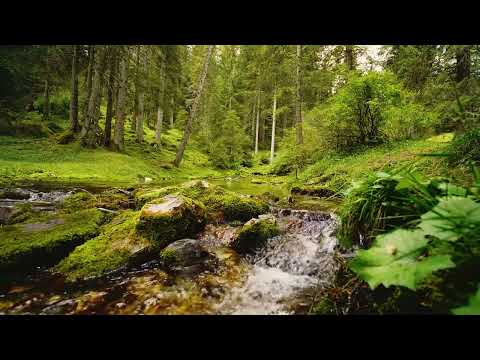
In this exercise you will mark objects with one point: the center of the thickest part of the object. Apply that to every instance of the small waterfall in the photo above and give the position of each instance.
(299, 259)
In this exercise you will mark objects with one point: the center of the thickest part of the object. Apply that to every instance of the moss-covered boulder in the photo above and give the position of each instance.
(45, 240)
(254, 234)
(78, 201)
(220, 204)
(225, 204)
(117, 245)
(171, 218)
(143, 196)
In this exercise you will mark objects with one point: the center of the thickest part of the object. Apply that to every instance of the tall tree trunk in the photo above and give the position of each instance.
(349, 58)
(298, 102)
(121, 102)
(193, 112)
(136, 86)
(172, 112)
(161, 93)
(257, 128)
(463, 63)
(91, 63)
(272, 148)
(141, 97)
(74, 126)
(46, 105)
(91, 131)
(109, 114)
(252, 128)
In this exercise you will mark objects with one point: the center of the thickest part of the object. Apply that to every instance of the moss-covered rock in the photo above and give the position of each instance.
(183, 253)
(254, 234)
(46, 240)
(171, 218)
(143, 196)
(116, 246)
(78, 201)
(227, 204)
(220, 203)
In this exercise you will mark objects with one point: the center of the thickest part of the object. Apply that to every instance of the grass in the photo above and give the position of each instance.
(43, 160)
(338, 171)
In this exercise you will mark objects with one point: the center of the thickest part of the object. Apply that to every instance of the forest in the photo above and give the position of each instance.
(239, 179)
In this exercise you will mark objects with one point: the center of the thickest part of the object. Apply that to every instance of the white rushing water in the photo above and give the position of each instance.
(299, 259)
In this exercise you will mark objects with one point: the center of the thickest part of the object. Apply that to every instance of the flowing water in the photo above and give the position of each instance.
(300, 258)
(281, 278)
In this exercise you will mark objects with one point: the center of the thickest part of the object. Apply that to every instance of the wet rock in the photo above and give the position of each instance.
(255, 233)
(61, 307)
(15, 194)
(184, 253)
(317, 191)
(171, 218)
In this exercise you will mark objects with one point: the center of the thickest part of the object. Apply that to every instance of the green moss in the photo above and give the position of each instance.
(78, 201)
(143, 196)
(27, 245)
(231, 205)
(23, 213)
(168, 256)
(219, 203)
(115, 247)
(254, 234)
(184, 219)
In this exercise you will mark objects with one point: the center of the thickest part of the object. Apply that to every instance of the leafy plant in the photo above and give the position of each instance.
(398, 258)
(473, 307)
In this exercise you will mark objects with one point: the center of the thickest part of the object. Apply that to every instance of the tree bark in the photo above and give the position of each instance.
(74, 126)
(121, 102)
(258, 123)
(349, 58)
(463, 63)
(298, 103)
(196, 101)
(90, 135)
(91, 62)
(109, 114)
(272, 148)
(141, 97)
(172, 112)
(161, 93)
(46, 105)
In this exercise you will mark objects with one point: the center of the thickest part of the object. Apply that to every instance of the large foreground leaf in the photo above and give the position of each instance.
(452, 218)
(396, 259)
(473, 307)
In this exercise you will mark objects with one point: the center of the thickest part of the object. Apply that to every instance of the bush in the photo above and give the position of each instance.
(231, 149)
(368, 110)
(59, 104)
(465, 148)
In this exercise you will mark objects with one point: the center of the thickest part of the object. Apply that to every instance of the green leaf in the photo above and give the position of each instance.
(395, 259)
(452, 190)
(473, 307)
(452, 218)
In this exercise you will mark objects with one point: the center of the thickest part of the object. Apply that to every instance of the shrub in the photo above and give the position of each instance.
(370, 109)
(465, 148)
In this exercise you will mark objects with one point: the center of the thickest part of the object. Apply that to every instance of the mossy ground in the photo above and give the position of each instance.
(29, 160)
(46, 238)
(110, 250)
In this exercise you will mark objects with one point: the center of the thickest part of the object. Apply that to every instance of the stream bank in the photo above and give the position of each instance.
(279, 278)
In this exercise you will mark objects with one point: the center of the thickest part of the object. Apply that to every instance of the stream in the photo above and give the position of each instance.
(282, 278)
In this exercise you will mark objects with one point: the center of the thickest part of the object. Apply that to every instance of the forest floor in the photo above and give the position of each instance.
(29, 160)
